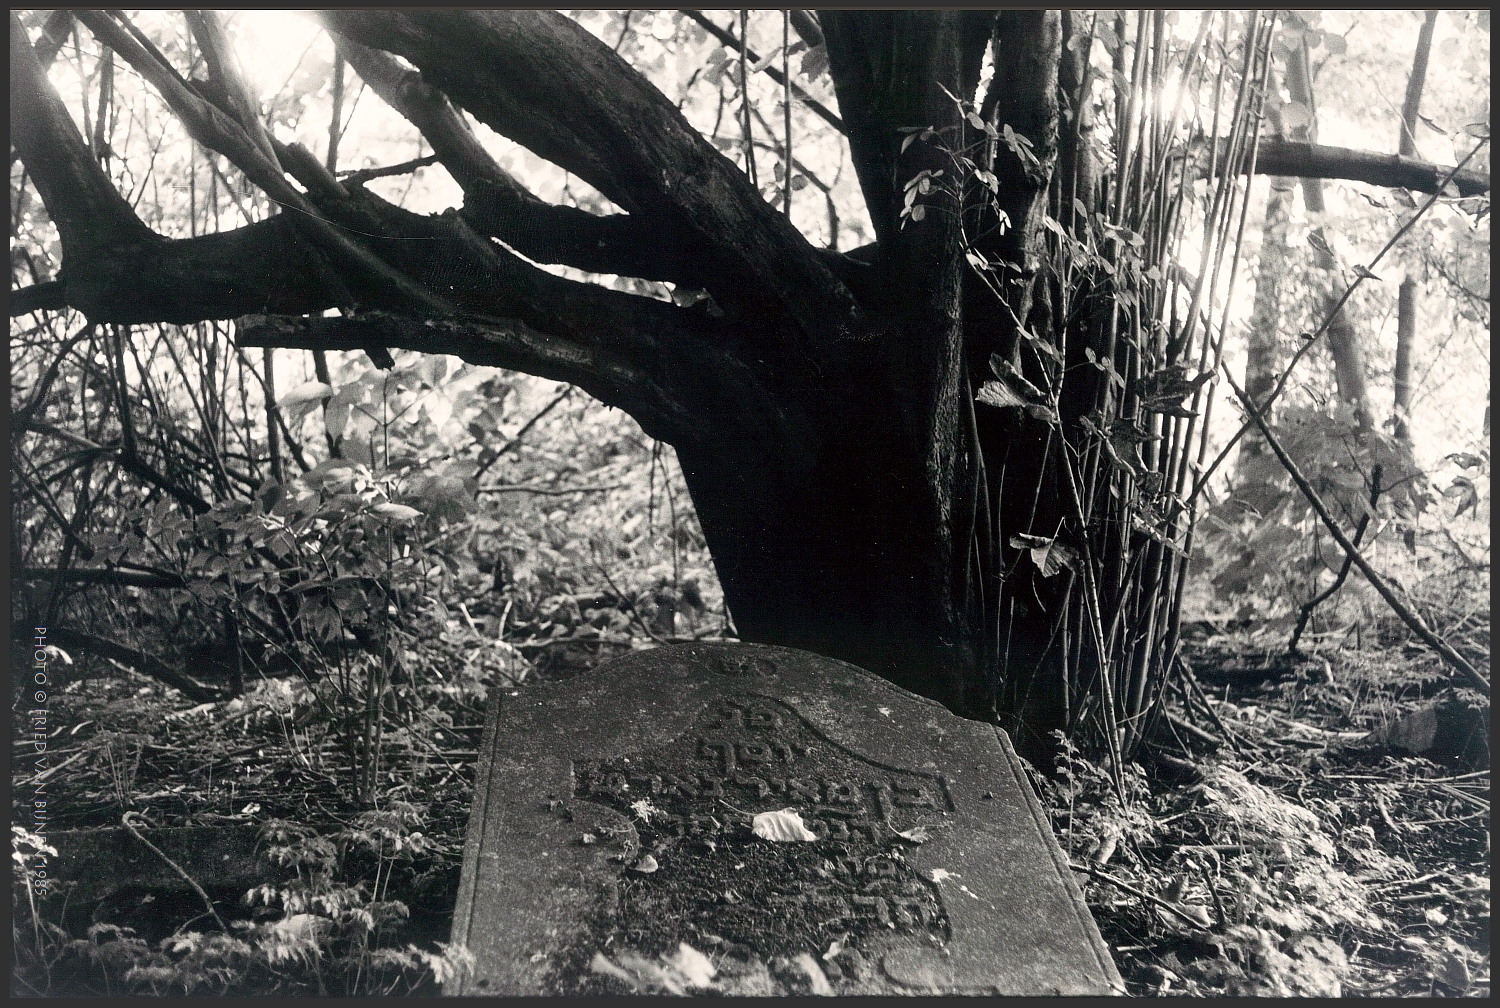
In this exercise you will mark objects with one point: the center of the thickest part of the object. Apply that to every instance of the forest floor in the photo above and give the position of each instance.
(1268, 848)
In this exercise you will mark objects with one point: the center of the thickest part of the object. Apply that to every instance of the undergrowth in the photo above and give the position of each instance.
(1295, 858)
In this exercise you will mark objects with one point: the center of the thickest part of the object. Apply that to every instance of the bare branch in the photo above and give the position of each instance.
(364, 175)
(1408, 615)
(543, 80)
(507, 343)
(104, 576)
(207, 124)
(129, 461)
(145, 664)
(497, 204)
(89, 212)
(224, 71)
(807, 28)
(806, 24)
(1305, 160)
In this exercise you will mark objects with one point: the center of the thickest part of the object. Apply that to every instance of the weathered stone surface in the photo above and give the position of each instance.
(613, 823)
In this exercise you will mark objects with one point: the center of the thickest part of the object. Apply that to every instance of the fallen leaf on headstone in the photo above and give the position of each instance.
(645, 865)
(834, 948)
(644, 810)
(783, 826)
(589, 838)
(809, 967)
(941, 874)
(692, 966)
(917, 834)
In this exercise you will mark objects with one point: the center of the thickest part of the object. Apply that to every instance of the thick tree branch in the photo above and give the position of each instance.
(210, 126)
(1304, 160)
(89, 212)
(145, 664)
(507, 343)
(262, 267)
(544, 81)
(48, 296)
(495, 203)
(54, 35)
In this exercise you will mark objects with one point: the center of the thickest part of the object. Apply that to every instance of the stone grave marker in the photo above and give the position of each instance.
(620, 840)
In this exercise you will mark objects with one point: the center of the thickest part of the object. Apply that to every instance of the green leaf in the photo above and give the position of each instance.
(993, 393)
(814, 62)
(1464, 460)
(1042, 412)
(1462, 491)
(395, 512)
(1006, 372)
(1164, 390)
(304, 394)
(1049, 555)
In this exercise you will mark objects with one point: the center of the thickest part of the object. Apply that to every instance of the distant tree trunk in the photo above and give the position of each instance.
(1406, 304)
(1343, 340)
(1263, 349)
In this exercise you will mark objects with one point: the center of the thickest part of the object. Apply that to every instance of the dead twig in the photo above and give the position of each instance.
(1449, 819)
(1131, 890)
(1408, 616)
(1402, 884)
(1385, 813)
(1359, 533)
(1191, 679)
(125, 820)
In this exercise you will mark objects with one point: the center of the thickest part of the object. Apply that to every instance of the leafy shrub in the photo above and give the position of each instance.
(320, 933)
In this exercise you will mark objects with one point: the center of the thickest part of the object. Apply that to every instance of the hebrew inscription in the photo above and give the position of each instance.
(691, 803)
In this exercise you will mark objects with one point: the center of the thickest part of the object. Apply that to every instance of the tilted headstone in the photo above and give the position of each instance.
(619, 840)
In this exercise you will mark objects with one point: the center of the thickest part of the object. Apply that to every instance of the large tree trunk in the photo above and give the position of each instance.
(858, 548)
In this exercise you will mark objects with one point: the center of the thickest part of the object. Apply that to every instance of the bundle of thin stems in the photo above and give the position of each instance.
(1150, 325)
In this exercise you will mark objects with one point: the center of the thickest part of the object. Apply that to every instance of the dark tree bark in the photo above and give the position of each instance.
(823, 416)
